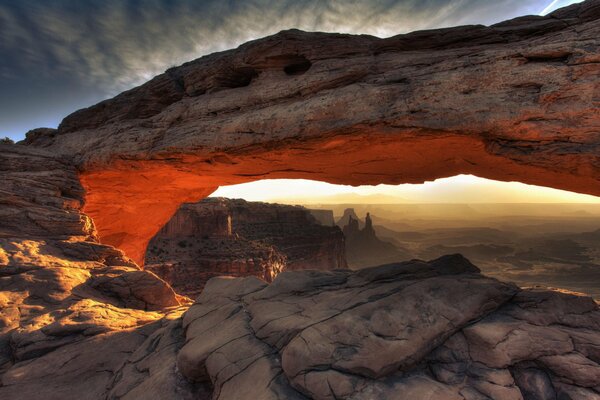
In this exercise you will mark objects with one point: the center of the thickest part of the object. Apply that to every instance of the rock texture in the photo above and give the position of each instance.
(219, 236)
(363, 247)
(78, 320)
(515, 101)
(414, 330)
(58, 285)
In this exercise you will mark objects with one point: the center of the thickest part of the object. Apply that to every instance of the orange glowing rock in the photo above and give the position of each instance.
(131, 201)
(517, 101)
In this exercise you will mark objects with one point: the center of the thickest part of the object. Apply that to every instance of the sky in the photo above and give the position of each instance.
(57, 56)
(458, 189)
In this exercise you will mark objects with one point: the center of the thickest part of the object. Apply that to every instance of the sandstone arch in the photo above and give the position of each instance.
(518, 101)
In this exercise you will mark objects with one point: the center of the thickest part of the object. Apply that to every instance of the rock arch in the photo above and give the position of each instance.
(517, 101)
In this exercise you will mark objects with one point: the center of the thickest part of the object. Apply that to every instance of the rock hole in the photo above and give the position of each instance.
(238, 77)
(398, 81)
(530, 87)
(297, 66)
(548, 57)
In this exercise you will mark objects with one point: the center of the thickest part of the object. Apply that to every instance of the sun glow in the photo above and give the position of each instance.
(456, 189)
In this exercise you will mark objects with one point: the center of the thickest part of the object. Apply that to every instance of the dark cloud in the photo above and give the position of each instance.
(60, 55)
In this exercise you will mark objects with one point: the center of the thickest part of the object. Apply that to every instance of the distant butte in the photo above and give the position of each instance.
(238, 238)
(516, 101)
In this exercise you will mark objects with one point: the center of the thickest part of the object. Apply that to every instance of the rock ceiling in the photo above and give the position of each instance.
(517, 101)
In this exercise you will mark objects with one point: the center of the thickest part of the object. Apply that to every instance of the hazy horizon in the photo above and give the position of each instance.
(460, 189)
(525, 234)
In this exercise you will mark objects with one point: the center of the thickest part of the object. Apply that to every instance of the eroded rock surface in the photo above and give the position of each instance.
(58, 285)
(219, 236)
(79, 320)
(413, 330)
(516, 101)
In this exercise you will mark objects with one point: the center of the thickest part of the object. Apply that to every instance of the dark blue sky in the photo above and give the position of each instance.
(57, 56)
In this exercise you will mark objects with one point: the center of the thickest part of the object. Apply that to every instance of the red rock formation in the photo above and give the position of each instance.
(58, 285)
(517, 101)
(219, 236)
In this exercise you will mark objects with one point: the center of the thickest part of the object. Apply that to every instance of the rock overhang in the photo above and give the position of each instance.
(517, 101)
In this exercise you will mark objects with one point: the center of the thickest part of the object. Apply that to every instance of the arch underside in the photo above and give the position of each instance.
(517, 101)
(131, 202)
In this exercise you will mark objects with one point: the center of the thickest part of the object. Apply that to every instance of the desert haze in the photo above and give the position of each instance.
(555, 245)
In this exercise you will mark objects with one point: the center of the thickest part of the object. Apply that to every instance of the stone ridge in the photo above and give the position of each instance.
(237, 67)
(234, 237)
(413, 330)
(541, 71)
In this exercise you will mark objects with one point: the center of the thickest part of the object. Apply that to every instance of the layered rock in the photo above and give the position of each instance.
(75, 315)
(58, 285)
(219, 236)
(516, 101)
(412, 330)
(363, 247)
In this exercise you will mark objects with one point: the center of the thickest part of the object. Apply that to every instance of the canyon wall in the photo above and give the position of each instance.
(219, 236)
(325, 217)
(516, 101)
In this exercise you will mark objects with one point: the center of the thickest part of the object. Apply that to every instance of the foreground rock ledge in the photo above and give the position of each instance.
(415, 330)
(58, 285)
(517, 101)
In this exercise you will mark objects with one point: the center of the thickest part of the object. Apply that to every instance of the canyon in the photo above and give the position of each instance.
(80, 317)
(219, 236)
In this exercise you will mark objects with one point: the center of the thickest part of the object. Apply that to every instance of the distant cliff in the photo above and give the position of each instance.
(325, 217)
(363, 247)
(349, 214)
(219, 236)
